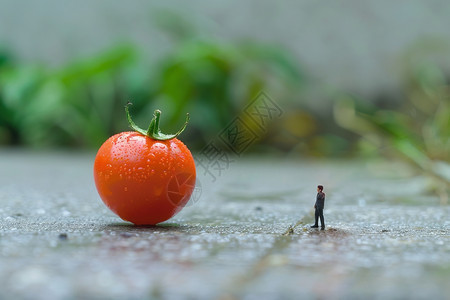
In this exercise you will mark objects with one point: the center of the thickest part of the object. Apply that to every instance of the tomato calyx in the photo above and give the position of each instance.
(153, 130)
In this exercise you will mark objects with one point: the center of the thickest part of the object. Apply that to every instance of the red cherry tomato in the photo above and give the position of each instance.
(145, 177)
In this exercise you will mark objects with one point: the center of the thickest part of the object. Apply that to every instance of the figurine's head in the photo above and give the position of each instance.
(319, 188)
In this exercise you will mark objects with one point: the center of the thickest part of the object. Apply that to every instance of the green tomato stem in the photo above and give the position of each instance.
(153, 130)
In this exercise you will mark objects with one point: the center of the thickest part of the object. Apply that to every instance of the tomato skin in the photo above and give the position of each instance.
(137, 177)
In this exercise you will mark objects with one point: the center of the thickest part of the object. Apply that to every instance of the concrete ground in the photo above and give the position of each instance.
(386, 238)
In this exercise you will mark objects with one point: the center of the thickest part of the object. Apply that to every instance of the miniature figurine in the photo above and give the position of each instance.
(319, 205)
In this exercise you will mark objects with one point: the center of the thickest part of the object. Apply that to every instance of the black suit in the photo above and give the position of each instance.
(320, 204)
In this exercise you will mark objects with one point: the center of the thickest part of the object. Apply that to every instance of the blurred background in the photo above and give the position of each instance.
(354, 79)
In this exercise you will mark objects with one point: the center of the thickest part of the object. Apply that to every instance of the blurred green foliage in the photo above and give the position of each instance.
(214, 81)
(82, 104)
(417, 132)
(72, 106)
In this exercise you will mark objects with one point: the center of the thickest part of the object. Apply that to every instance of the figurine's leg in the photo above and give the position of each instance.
(316, 215)
(322, 220)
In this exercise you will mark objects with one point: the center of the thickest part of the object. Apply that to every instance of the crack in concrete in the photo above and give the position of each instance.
(267, 260)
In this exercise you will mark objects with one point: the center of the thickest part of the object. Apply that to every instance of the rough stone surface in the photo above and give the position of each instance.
(385, 238)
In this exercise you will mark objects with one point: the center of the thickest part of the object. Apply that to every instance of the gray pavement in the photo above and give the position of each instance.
(386, 237)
